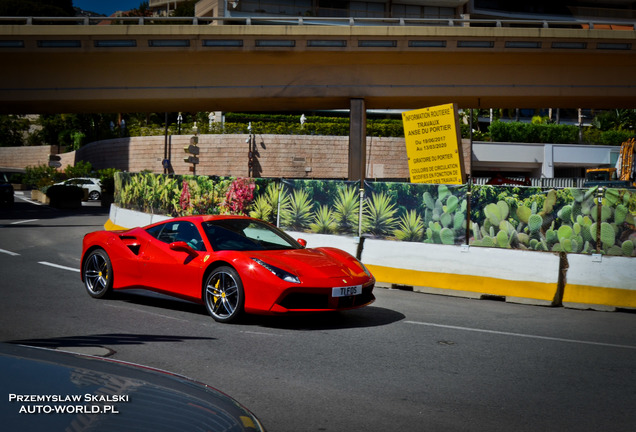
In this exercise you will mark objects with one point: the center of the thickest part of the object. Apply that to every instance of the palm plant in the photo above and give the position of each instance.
(298, 214)
(346, 209)
(262, 209)
(278, 199)
(410, 227)
(324, 222)
(378, 214)
(266, 205)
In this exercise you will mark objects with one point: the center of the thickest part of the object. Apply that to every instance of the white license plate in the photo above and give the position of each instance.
(346, 291)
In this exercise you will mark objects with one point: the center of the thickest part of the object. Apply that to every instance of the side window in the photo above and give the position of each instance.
(187, 232)
(178, 231)
(155, 231)
(169, 232)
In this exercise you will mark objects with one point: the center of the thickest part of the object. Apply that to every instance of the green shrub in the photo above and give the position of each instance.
(615, 137)
(40, 176)
(81, 169)
(533, 133)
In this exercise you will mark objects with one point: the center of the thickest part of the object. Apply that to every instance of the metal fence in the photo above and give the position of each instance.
(556, 183)
(333, 21)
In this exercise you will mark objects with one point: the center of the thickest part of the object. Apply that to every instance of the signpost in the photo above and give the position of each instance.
(433, 145)
(55, 161)
(193, 151)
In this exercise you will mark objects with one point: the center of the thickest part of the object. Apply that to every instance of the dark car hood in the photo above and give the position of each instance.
(144, 398)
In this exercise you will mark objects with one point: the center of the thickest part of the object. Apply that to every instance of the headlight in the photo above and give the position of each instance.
(366, 270)
(286, 276)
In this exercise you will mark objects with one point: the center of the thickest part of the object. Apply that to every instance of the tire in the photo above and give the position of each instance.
(98, 274)
(223, 294)
(94, 196)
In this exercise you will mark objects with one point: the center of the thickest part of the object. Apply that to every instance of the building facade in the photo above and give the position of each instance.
(567, 10)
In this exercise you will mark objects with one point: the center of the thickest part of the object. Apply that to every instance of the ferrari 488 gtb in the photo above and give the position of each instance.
(231, 264)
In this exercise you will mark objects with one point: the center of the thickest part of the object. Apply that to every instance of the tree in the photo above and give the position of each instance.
(13, 129)
(619, 119)
(143, 10)
(184, 9)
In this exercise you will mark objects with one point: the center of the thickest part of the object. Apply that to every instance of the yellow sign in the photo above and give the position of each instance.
(433, 145)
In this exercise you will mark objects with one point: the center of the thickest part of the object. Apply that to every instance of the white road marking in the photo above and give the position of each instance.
(59, 266)
(259, 333)
(23, 198)
(521, 335)
(24, 221)
(9, 252)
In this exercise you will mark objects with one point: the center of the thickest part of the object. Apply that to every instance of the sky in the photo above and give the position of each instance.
(106, 7)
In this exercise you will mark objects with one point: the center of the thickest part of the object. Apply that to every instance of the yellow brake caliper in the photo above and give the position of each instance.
(216, 288)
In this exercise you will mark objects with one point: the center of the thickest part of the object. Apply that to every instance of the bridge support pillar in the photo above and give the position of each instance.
(357, 139)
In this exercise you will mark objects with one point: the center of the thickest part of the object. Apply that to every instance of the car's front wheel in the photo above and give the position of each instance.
(94, 196)
(98, 274)
(223, 294)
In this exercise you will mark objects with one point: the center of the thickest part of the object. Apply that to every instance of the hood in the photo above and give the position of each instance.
(322, 262)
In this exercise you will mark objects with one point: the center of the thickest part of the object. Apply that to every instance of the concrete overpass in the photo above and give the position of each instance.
(287, 65)
(295, 66)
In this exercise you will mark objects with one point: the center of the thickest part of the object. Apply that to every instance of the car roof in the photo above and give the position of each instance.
(207, 218)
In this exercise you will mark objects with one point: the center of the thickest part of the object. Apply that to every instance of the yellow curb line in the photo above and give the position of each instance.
(457, 282)
(110, 226)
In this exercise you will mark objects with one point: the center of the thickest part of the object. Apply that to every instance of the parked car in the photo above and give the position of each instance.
(92, 185)
(51, 390)
(6, 190)
(231, 264)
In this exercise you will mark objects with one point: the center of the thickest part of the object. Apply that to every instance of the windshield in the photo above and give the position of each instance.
(246, 235)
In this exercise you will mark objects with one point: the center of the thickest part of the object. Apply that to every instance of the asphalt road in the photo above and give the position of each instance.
(409, 362)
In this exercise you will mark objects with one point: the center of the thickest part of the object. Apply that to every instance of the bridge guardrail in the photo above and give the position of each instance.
(333, 21)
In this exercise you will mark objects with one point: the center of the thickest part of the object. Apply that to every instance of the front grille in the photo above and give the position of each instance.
(305, 301)
(318, 301)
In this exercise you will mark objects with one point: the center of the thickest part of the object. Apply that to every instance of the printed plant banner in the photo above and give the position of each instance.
(584, 221)
(425, 213)
(566, 220)
(320, 206)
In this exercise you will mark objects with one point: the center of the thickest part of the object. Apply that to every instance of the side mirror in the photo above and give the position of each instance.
(302, 242)
(181, 246)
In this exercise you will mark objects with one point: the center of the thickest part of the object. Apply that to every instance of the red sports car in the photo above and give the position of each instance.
(232, 264)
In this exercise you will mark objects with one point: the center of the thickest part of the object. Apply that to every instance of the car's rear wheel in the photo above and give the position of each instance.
(98, 274)
(223, 294)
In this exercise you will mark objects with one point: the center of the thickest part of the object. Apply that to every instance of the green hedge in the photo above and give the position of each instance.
(550, 133)
(534, 133)
(286, 124)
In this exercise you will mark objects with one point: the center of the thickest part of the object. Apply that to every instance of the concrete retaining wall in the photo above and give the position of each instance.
(518, 276)
(22, 157)
(292, 156)
(601, 282)
(541, 278)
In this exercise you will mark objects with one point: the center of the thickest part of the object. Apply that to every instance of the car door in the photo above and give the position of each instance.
(172, 271)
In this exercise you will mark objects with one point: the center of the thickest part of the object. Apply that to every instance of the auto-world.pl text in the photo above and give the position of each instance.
(67, 404)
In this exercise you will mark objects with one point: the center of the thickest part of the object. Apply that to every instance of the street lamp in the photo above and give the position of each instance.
(210, 120)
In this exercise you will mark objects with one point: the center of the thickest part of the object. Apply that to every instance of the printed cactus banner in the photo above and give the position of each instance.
(566, 220)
